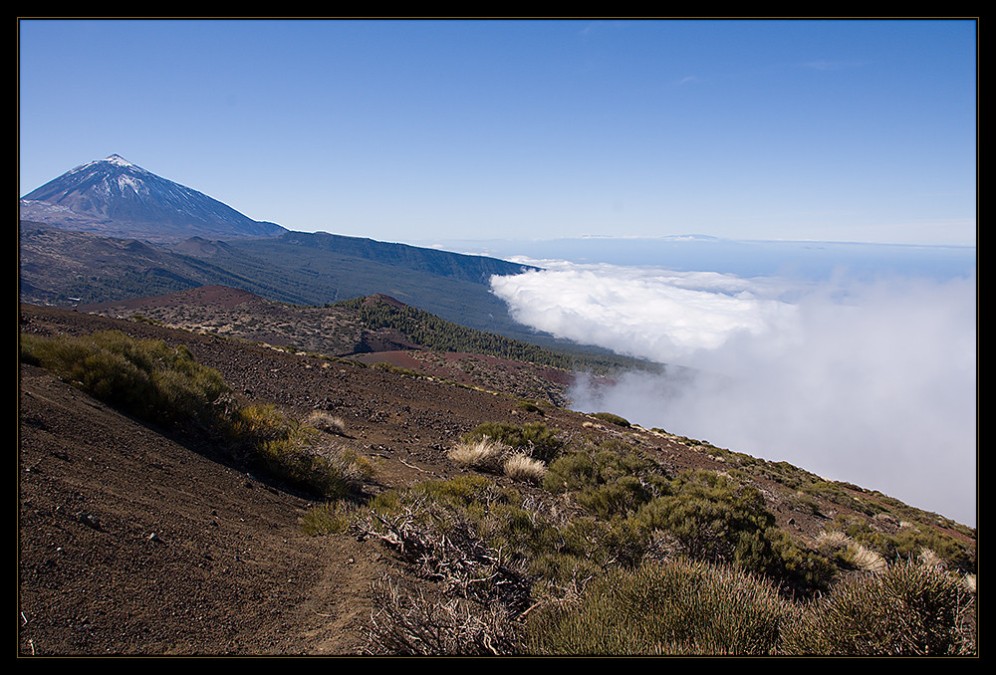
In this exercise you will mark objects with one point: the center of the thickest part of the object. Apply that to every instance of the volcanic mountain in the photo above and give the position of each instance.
(114, 197)
(110, 230)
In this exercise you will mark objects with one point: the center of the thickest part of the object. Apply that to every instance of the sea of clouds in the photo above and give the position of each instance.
(870, 380)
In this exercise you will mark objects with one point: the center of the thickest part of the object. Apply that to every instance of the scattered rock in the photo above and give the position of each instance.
(89, 520)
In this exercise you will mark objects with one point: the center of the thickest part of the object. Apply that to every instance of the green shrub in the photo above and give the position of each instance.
(572, 472)
(623, 495)
(797, 569)
(561, 575)
(604, 542)
(676, 607)
(909, 540)
(146, 378)
(399, 370)
(612, 418)
(494, 512)
(455, 493)
(334, 517)
(531, 407)
(910, 609)
(714, 518)
(282, 447)
(594, 465)
(839, 493)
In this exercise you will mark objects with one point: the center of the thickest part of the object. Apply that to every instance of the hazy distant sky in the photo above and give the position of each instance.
(410, 130)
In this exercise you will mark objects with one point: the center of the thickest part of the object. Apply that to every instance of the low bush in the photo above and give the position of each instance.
(398, 370)
(714, 519)
(797, 570)
(675, 607)
(622, 496)
(612, 418)
(908, 541)
(146, 378)
(910, 609)
(277, 444)
(595, 465)
(531, 407)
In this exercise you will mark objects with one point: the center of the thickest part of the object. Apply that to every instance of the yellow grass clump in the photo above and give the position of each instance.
(521, 467)
(483, 454)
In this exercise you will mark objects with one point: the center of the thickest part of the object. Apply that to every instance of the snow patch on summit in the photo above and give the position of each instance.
(118, 160)
(131, 182)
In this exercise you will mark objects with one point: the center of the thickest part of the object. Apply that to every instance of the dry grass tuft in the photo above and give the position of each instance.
(969, 582)
(837, 544)
(866, 559)
(327, 422)
(484, 454)
(930, 558)
(832, 541)
(521, 467)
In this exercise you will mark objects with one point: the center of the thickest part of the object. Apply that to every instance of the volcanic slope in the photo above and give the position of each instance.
(133, 540)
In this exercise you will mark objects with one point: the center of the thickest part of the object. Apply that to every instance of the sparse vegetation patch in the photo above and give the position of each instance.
(165, 385)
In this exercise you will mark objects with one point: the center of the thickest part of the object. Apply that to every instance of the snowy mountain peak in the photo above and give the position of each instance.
(118, 160)
(112, 196)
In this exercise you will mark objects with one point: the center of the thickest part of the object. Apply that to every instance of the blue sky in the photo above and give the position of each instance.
(414, 130)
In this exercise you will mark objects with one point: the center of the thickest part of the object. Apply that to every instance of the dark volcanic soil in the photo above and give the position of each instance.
(131, 543)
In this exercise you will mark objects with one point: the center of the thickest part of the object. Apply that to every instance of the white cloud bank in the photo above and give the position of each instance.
(873, 383)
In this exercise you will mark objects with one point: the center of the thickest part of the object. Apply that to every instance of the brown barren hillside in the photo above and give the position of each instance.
(136, 541)
(335, 331)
